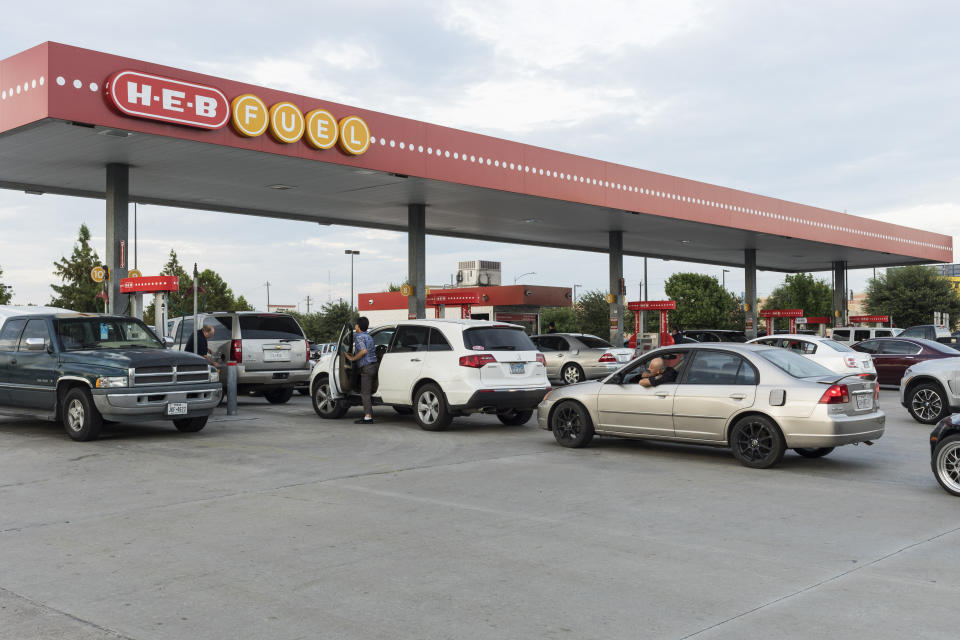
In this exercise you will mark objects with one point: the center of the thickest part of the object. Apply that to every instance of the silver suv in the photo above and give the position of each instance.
(270, 349)
(929, 389)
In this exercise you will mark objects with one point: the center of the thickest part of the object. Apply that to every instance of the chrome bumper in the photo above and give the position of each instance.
(150, 403)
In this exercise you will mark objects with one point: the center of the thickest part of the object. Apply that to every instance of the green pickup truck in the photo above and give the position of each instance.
(83, 369)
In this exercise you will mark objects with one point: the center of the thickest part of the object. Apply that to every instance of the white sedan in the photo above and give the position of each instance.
(831, 354)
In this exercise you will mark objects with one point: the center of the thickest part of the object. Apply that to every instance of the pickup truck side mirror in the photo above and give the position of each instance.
(36, 344)
(168, 341)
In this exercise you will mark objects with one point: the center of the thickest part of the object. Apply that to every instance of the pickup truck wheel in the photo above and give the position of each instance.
(80, 416)
(278, 396)
(190, 425)
(514, 417)
(324, 403)
(430, 408)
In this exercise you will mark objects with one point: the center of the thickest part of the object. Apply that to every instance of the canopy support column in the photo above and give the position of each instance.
(118, 243)
(750, 292)
(616, 281)
(417, 260)
(840, 293)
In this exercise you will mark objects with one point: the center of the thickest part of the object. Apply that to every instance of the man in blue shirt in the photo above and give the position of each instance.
(364, 354)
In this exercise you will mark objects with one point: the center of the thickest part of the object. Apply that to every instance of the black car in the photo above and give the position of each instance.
(945, 453)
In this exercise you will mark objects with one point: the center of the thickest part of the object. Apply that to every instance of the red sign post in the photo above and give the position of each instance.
(770, 314)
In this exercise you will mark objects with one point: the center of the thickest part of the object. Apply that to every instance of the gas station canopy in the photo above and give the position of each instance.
(201, 142)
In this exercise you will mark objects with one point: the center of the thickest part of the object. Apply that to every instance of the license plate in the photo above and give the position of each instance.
(277, 355)
(623, 358)
(516, 367)
(864, 401)
(177, 409)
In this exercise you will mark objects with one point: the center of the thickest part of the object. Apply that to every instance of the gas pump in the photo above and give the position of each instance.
(792, 314)
(159, 286)
(663, 337)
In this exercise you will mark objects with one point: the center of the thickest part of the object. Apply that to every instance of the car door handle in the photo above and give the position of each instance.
(738, 396)
(662, 394)
(414, 359)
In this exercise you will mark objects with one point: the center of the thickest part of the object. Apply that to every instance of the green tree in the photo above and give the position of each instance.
(701, 303)
(311, 323)
(801, 291)
(5, 292)
(77, 290)
(564, 318)
(334, 316)
(593, 315)
(910, 295)
(396, 287)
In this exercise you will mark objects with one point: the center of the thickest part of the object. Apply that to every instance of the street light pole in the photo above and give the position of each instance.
(528, 273)
(723, 277)
(351, 253)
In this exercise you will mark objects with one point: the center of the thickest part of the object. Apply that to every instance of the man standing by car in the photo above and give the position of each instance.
(364, 354)
(202, 349)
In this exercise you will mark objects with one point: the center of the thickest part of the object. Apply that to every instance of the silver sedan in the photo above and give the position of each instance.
(575, 357)
(759, 401)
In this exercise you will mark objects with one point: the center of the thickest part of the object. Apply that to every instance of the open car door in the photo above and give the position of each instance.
(347, 373)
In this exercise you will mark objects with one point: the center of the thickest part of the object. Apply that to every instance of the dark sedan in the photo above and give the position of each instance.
(892, 356)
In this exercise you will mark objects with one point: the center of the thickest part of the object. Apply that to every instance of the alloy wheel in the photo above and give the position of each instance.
(755, 441)
(324, 400)
(75, 415)
(948, 466)
(926, 404)
(428, 407)
(571, 375)
(567, 424)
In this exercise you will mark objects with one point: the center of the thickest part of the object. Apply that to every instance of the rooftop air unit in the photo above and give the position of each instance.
(478, 273)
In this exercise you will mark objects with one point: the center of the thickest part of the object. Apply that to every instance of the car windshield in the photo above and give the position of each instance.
(497, 339)
(79, 334)
(794, 363)
(269, 327)
(593, 342)
(836, 346)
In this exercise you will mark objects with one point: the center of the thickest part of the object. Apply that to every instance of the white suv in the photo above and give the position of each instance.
(438, 369)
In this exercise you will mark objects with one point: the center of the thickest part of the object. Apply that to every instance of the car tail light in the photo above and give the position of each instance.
(851, 361)
(876, 395)
(236, 351)
(542, 359)
(836, 394)
(476, 361)
(607, 357)
(307, 343)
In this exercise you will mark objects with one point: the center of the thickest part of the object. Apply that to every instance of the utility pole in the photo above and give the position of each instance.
(267, 285)
(308, 305)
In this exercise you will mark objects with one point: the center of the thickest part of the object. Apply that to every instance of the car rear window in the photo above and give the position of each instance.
(794, 363)
(593, 342)
(939, 346)
(836, 346)
(269, 327)
(497, 339)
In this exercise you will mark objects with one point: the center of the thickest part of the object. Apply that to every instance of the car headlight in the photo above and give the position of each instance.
(111, 382)
(214, 374)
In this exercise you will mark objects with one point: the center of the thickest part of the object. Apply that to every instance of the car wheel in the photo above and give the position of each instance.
(811, 452)
(946, 464)
(571, 425)
(404, 411)
(430, 408)
(324, 403)
(757, 442)
(278, 396)
(514, 417)
(190, 425)
(79, 415)
(571, 373)
(927, 404)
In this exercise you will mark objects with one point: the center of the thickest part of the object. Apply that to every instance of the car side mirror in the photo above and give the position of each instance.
(168, 341)
(36, 344)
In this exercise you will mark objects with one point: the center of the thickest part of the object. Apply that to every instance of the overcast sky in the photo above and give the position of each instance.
(849, 106)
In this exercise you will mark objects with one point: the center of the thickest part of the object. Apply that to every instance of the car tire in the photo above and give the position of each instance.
(946, 464)
(927, 403)
(757, 442)
(80, 416)
(813, 452)
(571, 424)
(190, 425)
(572, 373)
(514, 417)
(402, 410)
(325, 405)
(278, 396)
(430, 408)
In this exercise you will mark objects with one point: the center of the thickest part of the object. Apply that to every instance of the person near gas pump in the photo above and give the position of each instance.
(364, 354)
